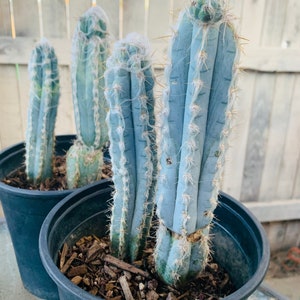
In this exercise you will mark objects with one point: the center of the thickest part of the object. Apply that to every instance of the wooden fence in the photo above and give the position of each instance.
(263, 163)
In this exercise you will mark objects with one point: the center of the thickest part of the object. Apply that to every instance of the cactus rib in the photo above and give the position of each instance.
(191, 166)
(44, 98)
(89, 54)
(130, 84)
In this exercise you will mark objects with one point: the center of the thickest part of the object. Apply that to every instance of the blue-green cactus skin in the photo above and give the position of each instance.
(130, 82)
(195, 122)
(90, 49)
(42, 111)
(83, 160)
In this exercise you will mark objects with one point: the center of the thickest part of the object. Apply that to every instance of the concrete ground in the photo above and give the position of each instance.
(289, 287)
(11, 287)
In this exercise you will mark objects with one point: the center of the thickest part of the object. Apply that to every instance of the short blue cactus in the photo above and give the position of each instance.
(130, 82)
(42, 111)
(195, 121)
(89, 53)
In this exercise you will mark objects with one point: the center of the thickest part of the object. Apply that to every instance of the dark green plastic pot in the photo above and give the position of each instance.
(25, 211)
(239, 242)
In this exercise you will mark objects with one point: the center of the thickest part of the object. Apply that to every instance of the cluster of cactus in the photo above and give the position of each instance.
(195, 121)
(42, 111)
(89, 53)
(129, 92)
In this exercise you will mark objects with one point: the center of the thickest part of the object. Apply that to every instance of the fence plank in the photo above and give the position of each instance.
(65, 123)
(273, 211)
(292, 237)
(26, 18)
(23, 88)
(54, 18)
(276, 136)
(274, 21)
(288, 232)
(292, 25)
(258, 134)
(235, 157)
(5, 24)
(10, 121)
(291, 156)
(175, 7)
(134, 16)
(253, 15)
(159, 11)
(296, 191)
(271, 59)
(235, 9)
(276, 234)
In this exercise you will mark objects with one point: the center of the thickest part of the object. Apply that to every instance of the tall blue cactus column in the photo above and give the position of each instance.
(42, 111)
(195, 122)
(89, 53)
(130, 82)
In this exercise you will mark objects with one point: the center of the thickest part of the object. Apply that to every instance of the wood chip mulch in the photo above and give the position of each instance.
(90, 265)
(57, 182)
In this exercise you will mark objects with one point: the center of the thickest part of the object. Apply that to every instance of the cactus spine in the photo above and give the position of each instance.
(89, 54)
(130, 82)
(195, 121)
(42, 111)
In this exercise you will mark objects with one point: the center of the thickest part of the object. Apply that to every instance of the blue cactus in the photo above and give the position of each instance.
(195, 121)
(130, 82)
(89, 53)
(42, 111)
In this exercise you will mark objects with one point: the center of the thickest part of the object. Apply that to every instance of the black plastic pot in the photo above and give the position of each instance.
(25, 211)
(239, 242)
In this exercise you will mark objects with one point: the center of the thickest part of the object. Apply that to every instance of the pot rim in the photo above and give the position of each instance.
(14, 149)
(243, 292)
(257, 277)
(46, 258)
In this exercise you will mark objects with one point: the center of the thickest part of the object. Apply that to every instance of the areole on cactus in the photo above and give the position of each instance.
(89, 53)
(195, 121)
(42, 111)
(129, 83)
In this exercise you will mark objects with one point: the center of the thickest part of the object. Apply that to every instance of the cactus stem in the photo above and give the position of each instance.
(89, 53)
(194, 128)
(42, 111)
(131, 129)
